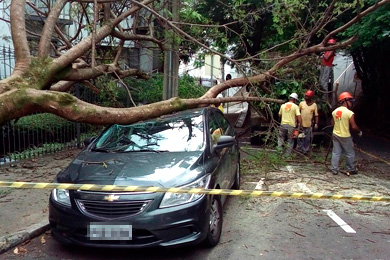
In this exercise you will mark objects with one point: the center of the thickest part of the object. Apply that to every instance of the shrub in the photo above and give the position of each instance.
(45, 122)
(150, 91)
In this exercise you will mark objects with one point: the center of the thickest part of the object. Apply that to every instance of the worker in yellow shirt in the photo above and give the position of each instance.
(289, 114)
(219, 105)
(216, 135)
(309, 113)
(343, 119)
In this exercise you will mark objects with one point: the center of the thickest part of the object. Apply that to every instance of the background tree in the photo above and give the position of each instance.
(370, 54)
(298, 24)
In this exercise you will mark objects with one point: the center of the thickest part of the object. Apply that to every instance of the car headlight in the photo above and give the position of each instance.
(175, 199)
(61, 196)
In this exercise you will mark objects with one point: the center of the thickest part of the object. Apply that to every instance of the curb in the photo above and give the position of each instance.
(9, 241)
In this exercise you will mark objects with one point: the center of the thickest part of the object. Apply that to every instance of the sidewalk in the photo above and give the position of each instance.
(24, 212)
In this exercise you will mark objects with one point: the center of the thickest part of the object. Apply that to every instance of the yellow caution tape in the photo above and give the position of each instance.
(251, 193)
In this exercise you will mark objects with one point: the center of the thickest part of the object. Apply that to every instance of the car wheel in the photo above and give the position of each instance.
(215, 223)
(237, 181)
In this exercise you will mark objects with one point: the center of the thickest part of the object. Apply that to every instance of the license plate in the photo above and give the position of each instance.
(109, 231)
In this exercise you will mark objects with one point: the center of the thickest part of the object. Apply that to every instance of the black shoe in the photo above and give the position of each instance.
(335, 173)
(353, 172)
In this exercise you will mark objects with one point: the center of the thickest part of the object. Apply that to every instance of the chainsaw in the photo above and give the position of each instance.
(298, 134)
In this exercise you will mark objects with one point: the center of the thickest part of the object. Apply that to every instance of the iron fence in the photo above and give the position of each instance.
(7, 61)
(40, 134)
(19, 142)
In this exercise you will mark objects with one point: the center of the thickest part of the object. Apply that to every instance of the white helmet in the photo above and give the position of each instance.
(294, 96)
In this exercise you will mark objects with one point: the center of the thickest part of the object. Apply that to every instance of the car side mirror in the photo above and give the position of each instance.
(89, 140)
(225, 141)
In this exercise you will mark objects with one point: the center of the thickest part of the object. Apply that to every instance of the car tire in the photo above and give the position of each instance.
(237, 178)
(215, 222)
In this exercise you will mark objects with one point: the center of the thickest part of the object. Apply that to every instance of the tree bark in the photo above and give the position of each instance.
(18, 103)
(48, 28)
(19, 37)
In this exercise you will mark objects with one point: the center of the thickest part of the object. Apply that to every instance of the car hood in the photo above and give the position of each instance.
(165, 169)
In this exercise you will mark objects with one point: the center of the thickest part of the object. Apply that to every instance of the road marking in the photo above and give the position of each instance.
(259, 185)
(290, 169)
(347, 228)
(303, 187)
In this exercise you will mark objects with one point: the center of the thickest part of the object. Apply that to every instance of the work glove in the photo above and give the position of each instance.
(360, 134)
(315, 127)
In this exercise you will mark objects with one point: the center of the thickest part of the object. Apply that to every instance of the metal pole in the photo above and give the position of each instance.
(211, 70)
(171, 60)
(78, 126)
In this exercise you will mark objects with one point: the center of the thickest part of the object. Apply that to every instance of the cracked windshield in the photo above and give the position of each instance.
(160, 136)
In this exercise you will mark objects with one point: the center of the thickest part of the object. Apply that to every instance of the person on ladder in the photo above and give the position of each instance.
(326, 70)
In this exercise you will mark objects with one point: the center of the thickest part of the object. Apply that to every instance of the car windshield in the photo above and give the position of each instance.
(162, 135)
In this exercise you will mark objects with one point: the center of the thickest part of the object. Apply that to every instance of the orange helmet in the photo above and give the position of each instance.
(331, 41)
(309, 93)
(345, 96)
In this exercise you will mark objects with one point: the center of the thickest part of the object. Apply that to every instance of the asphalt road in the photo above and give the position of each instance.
(273, 228)
(291, 230)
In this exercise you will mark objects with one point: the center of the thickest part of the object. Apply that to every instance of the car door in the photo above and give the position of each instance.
(232, 153)
(227, 156)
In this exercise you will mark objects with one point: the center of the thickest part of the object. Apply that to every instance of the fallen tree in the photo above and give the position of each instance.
(40, 83)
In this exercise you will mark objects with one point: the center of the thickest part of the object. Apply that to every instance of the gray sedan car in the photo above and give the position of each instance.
(194, 148)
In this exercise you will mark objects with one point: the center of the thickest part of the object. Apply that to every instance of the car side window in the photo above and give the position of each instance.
(224, 124)
(214, 129)
(218, 125)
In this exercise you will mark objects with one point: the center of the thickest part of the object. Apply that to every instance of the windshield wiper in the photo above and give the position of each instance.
(123, 150)
(151, 150)
(104, 150)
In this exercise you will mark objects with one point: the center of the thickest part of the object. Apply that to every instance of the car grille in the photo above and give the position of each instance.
(112, 210)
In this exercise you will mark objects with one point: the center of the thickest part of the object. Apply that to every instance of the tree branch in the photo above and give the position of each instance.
(215, 90)
(179, 31)
(89, 73)
(19, 36)
(48, 28)
(66, 41)
(322, 22)
(79, 49)
(356, 19)
(133, 37)
(73, 109)
(62, 86)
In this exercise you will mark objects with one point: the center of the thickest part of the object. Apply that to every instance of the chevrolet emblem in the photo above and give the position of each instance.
(111, 197)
